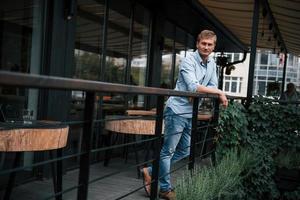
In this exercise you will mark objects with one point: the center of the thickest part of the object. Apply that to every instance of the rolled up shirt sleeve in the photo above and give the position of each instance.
(187, 70)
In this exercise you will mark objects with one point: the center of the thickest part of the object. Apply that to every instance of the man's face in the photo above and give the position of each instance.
(206, 46)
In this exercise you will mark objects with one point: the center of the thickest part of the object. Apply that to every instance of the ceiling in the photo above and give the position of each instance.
(279, 22)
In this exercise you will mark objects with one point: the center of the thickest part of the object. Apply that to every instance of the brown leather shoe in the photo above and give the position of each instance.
(146, 180)
(168, 195)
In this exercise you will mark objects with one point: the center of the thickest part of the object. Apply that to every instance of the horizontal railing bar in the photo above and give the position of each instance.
(123, 145)
(119, 171)
(40, 163)
(206, 140)
(130, 193)
(62, 83)
(62, 192)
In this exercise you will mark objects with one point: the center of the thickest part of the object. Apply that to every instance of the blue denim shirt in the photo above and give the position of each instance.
(192, 73)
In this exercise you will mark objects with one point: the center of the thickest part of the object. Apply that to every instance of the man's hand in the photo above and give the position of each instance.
(223, 100)
(222, 96)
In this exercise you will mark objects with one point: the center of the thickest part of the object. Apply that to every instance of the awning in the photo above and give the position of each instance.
(279, 22)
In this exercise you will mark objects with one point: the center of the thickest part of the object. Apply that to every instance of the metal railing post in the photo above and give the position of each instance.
(158, 131)
(84, 168)
(193, 133)
(215, 121)
(59, 175)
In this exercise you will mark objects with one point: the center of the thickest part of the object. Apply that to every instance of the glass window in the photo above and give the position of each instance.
(234, 86)
(272, 68)
(263, 58)
(227, 84)
(273, 59)
(88, 40)
(21, 35)
(229, 57)
(290, 59)
(263, 67)
(139, 53)
(180, 51)
(117, 42)
(236, 57)
(272, 73)
(261, 88)
(166, 67)
(262, 72)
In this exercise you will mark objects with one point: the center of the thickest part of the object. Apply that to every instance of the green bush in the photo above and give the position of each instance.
(222, 181)
(288, 159)
(266, 128)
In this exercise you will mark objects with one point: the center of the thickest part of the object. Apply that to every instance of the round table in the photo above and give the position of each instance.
(132, 126)
(32, 136)
(19, 136)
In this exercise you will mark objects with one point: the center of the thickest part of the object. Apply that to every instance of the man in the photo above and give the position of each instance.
(197, 74)
(290, 94)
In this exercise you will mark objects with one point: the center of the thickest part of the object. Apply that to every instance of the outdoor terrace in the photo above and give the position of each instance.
(92, 180)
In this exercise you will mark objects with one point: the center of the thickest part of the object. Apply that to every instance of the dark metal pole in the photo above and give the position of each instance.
(284, 73)
(158, 130)
(12, 176)
(129, 50)
(84, 167)
(104, 41)
(255, 21)
(59, 175)
(172, 84)
(193, 133)
(221, 77)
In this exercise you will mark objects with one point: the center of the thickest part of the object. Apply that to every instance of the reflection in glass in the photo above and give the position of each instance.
(117, 44)
(139, 52)
(21, 35)
(166, 66)
(180, 54)
(88, 43)
(263, 58)
(21, 27)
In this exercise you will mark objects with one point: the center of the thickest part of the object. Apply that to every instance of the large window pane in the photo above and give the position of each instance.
(273, 59)
(21, 26)
(180, 50)
(263, 58)
(88, 43)
(139, 52)
(117, 41)
(21, 36)
(167, 60)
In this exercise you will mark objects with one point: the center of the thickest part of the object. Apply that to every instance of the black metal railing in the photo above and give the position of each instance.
(89, 121)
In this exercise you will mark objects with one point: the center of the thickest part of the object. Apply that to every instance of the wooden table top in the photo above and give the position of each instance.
(37, 136)
(132, 126)
(140, 126)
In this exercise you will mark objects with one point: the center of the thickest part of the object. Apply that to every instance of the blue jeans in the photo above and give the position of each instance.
(176, 146)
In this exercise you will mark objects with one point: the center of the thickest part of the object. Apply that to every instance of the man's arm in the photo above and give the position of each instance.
(209, 90)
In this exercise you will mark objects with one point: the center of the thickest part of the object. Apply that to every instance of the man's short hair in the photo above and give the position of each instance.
(207, 34)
